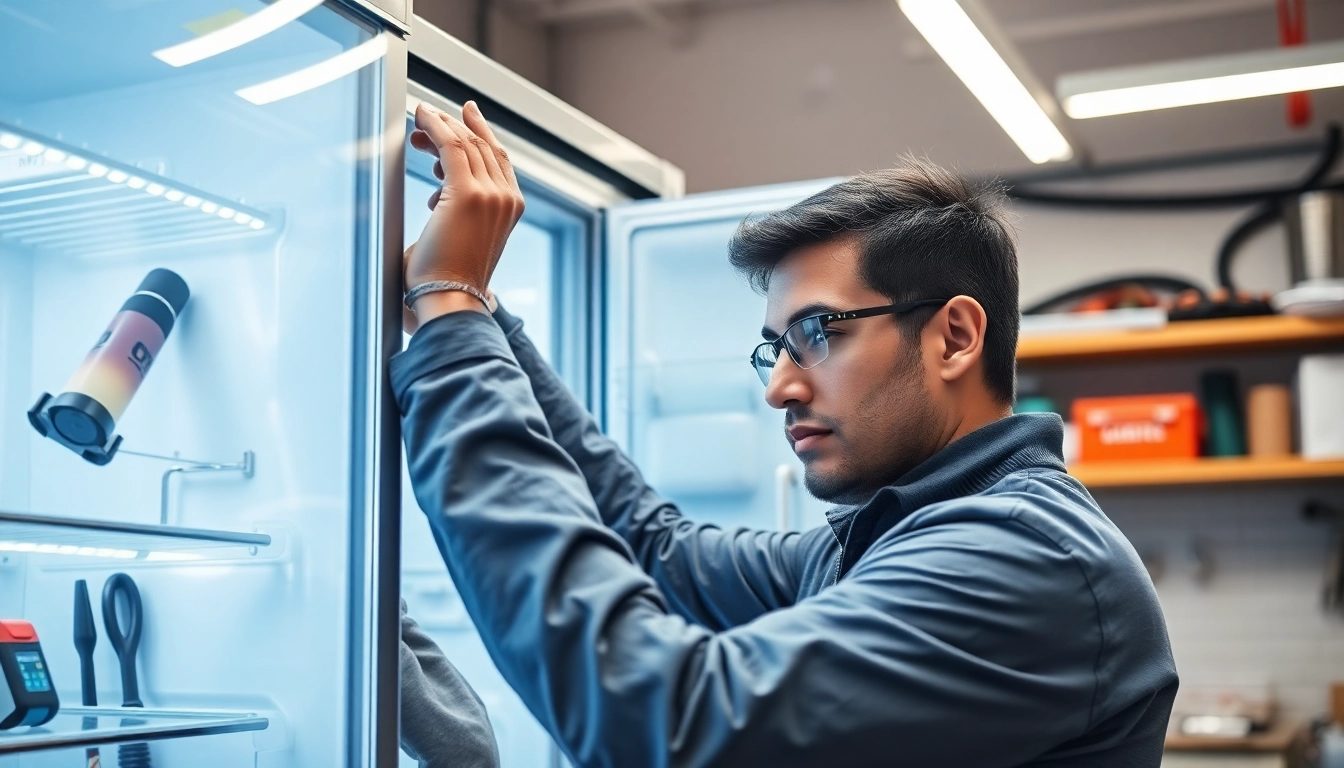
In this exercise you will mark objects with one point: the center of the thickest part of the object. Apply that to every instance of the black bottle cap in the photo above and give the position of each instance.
(169, 285)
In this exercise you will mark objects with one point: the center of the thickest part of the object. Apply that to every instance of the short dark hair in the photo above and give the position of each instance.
(924, 232)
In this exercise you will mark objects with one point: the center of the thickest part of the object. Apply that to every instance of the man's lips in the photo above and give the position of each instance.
(804, 438)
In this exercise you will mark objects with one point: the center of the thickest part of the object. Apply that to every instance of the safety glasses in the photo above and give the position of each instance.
(806, 339)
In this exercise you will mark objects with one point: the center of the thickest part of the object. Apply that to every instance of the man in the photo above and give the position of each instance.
(968, 605)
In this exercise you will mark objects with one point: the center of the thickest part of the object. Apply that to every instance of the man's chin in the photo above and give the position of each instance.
(833, 487)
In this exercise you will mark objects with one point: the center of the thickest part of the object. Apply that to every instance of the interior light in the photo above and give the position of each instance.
(135, 182)
(155, 189)
(192, 201)
(174, 195)
(33, 148)
(116, 177)
(86, 551)
(53, 155)
(257, 224)
(969, 54)
(242, 218)
(209, 207)
(263, 22)
(1202, 81)
(76, 163)
(97, 170)
(10, 141)
(226, 213)
(318, 74)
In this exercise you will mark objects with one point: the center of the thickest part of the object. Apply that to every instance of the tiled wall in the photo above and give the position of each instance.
(1254, 618)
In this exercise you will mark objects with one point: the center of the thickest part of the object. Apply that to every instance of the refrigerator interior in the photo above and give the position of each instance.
(261, 360)
(682, 396)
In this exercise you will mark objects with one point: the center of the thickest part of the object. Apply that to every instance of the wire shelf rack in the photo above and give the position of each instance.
(57, 197)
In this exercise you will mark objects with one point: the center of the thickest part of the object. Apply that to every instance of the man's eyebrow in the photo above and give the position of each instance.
(815, 308)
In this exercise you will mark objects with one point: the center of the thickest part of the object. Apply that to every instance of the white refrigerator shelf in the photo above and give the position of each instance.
(75, 727)
(46, 535)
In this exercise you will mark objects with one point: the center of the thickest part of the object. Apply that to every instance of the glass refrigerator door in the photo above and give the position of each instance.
(681, 397)
(539, 279)
(212, 429)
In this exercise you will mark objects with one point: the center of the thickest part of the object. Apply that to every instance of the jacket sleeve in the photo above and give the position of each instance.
(716, 577)
(917, 656)
(443, 722)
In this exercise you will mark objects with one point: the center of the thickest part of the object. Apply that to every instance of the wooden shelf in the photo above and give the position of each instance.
(1233, 335)
(1137, 474)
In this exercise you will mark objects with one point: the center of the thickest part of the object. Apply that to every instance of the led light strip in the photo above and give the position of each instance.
(191, 199)
(105, 552)
(243, 31)
(972, 58)
(1202, 81)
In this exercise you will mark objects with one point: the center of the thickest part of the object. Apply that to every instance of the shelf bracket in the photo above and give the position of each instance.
(247, 466)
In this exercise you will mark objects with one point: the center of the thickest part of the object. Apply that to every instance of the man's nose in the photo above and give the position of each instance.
(788, 384)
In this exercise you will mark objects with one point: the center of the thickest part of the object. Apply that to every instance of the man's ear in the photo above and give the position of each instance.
(960, 327)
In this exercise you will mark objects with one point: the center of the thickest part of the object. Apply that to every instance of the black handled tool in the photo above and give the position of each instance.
(125, 644)
(86, 637)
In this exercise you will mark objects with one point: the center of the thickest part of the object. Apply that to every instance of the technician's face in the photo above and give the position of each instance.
(863, 416)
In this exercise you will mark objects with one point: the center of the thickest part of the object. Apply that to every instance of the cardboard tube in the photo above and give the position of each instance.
(1269, 417)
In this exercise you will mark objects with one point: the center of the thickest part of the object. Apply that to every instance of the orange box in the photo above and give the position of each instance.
(1138, 427)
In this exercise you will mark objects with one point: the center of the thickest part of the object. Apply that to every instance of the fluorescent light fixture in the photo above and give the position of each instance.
(33, 149)
(321, 73)
(1202, 81)
(117, 177)
(226, 213)
(53, 155)
(257, 224)
(10, 141)
(259, 24)
(242, 218)
(135, 182)
(76, 163)
(209, 207)
(155, 189)
(174, 195)
(192, 201)
(969, 54)
(97, 170)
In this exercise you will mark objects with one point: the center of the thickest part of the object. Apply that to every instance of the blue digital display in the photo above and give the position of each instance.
(34, 671)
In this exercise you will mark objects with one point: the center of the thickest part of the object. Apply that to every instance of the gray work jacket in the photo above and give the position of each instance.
(980, 612)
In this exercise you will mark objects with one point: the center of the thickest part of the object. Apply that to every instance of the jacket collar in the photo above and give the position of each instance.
(966, 467)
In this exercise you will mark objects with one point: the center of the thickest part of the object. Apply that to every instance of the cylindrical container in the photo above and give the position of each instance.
(84, 416)
(1269, 417)
(1316, 236)
(1222, 409)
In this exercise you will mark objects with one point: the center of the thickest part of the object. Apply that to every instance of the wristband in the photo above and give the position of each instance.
(436, 286)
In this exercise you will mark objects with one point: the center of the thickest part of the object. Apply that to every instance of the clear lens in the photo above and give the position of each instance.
(763, 359)
(806, 340)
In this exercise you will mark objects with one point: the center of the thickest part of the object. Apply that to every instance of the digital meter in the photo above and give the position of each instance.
(29, 697)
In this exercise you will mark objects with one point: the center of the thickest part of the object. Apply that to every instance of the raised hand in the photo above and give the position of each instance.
(473, 212)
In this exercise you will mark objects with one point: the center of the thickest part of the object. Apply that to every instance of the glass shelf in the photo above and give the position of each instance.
(92, 726)
(43, 535)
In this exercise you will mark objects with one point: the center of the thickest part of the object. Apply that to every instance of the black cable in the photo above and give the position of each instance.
(1271, 210)
(1324, 163)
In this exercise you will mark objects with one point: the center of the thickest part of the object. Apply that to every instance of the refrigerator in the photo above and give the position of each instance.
(250, 484)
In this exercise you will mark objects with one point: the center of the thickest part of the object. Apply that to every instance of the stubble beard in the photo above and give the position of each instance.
(892, 431)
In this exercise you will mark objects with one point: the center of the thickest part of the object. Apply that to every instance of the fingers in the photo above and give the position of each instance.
(435, 197)
(438, 170)
(473, 119)
(448, 144)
